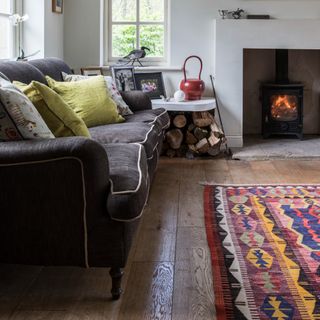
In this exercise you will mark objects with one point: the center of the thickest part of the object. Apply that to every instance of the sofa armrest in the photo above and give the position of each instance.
(136, 100)
(52, 193)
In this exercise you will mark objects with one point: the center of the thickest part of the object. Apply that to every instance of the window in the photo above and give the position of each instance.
(137, 23)
(7, 35)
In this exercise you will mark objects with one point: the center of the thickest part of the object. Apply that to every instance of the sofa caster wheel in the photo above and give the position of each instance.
(116, 275)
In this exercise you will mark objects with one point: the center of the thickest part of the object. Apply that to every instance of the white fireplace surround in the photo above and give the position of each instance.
(231, 38)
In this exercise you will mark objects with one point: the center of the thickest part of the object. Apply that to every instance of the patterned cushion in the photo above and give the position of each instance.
(144, 134)
(129, 181)
(8, 129)
(123, 108)
(19, 117)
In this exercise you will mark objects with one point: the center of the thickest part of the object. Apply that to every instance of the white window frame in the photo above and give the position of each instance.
(108, 32)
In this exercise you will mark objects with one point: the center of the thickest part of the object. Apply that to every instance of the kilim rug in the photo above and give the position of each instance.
(265, 251)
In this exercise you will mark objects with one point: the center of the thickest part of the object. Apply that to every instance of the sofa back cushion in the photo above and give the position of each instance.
(52, 67)
(25, 118)
(21, 71)
(89, 99)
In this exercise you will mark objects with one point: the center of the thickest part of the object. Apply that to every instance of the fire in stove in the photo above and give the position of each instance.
(282, 101)
(284, 107)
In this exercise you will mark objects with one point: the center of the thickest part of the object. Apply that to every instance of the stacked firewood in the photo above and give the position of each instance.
(192, 134)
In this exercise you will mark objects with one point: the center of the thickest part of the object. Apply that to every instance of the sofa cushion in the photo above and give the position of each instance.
(21, 71)
(129, 181)
(160, 117)
(59, 117)
(143, 133)
(89, 99)
(123, 108)
(23, 114)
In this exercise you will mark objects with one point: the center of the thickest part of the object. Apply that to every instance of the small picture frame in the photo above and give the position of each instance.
(124, 77)
(92, 71)
(57, 6)
(151, 83)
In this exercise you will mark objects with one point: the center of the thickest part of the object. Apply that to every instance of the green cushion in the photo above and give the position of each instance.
(59, 117)
(89, 99)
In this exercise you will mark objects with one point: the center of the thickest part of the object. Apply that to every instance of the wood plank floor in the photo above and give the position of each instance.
(169, 273)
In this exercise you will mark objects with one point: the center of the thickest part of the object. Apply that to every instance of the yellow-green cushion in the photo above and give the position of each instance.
(89, 99)
(59, 117)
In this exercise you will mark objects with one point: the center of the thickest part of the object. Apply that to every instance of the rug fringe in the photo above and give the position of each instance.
(212, 183)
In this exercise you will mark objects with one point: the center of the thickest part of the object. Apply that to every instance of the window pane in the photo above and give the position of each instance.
(152, 37)
(5, 33)
(5, 6)
(123, 40)
(152, 10)
(124, 10)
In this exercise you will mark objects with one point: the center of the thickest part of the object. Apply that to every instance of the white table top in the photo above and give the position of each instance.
(205, 104)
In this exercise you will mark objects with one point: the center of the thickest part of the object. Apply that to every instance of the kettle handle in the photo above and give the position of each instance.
(185, 63)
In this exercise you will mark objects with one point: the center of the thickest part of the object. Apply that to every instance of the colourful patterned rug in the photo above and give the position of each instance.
(265, 251)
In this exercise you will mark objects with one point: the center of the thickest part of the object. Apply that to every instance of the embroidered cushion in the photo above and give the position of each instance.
(123, 108)
(19, 117)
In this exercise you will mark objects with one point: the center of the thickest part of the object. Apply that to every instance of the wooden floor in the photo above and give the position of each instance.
(169, 273)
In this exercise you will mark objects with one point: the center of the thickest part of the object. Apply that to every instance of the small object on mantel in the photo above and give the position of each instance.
(237, 14)
(258, 16)
(224, 13)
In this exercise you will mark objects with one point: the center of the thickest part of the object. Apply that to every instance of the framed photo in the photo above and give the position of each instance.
(57, 6)
(124, 78)
(91, 71)
(151, 83)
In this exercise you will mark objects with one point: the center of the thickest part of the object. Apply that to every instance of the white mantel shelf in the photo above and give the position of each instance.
(231, 38)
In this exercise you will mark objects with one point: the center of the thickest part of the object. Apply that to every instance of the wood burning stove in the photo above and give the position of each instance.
(282, 102)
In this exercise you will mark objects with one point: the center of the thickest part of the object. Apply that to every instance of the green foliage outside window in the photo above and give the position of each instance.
(124, 39)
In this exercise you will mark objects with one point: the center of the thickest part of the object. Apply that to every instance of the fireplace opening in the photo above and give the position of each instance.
(282, 102)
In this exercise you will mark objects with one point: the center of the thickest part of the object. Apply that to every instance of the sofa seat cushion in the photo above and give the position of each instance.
(160, 117)
(142, 133)
(128, 179)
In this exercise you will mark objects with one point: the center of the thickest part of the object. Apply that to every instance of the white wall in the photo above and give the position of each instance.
(54, 32)
(82, 25)
(191, 30)
(44, 30)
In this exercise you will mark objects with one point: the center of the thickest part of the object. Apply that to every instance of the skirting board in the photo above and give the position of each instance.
(235, 141)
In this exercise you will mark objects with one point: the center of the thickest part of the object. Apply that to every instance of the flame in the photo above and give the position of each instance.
(284, 107)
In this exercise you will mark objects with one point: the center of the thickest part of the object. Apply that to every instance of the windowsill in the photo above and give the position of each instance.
(152, 68)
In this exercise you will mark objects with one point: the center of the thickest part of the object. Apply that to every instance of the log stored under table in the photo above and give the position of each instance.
(193, 130)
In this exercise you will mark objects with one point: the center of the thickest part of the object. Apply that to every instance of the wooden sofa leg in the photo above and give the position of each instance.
(116, 275)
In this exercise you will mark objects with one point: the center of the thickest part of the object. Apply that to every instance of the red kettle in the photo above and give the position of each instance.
(193, 88)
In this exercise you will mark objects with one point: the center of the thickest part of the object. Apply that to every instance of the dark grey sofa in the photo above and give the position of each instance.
(77, 201)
